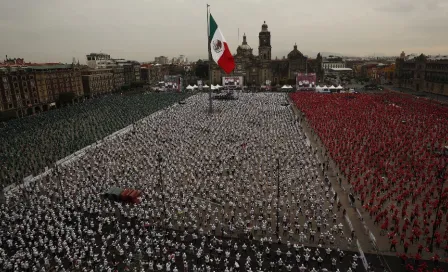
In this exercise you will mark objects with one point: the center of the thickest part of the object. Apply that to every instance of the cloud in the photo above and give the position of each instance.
(401, 6)
(54, 30)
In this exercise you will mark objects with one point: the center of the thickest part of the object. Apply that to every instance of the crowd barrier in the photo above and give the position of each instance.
(362, 256)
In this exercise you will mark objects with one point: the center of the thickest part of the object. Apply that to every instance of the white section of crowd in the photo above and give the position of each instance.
(12, 189)
(218, 176)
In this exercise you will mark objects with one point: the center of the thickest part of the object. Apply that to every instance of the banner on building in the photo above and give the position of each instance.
(305, 81)
(232, 82)
(173, 83)
(268, 84)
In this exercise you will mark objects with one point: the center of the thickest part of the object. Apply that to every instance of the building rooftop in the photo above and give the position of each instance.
(47, 67)
(98, 54)
(341, 69)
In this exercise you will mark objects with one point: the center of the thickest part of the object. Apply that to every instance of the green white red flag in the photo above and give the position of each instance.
(220, 50)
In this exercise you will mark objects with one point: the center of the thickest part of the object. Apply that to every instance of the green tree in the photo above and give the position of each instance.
(201, 69)
(291, 81)
(137, 84)
(67, 97)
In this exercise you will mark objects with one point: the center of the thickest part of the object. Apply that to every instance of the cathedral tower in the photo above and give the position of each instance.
(264, 48)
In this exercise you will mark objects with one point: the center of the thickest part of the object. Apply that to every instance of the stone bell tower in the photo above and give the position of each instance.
(264, 48)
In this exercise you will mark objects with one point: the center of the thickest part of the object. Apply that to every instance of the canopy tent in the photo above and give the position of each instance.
(205, 86)
(189, 87)
(289, 86)
(332, 87)
(339, 87)
(285, 87)
(218, 86)
(325, 87)
(318, 87)
(195, 86)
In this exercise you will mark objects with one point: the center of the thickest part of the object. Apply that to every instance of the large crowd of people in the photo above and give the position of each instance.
(33, 143)
(240, 190)
(391, 148)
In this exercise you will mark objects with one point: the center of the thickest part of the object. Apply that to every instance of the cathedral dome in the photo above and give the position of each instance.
(244, 45)
(264, 27)
(295, 54)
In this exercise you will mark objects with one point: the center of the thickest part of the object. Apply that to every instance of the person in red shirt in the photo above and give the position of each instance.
(393, 245)
(436, 259)
(402, 237)
(417, 258)
(406, 247)
(403, 258)
(420, 248)
(409, 267)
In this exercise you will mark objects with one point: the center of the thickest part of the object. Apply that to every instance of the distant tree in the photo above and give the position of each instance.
(137, 84)
(125, 87)
(201, 69)
(175, 70)
(67, 97)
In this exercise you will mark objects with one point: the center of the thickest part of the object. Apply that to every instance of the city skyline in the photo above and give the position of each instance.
(50, 31)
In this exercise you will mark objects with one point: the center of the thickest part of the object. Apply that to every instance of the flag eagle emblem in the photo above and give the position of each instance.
(217, 46)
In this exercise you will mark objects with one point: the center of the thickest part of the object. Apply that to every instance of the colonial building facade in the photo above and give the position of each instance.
(18, 90)
(53, 80)
(97, 82)
(26, 90)
(261, 69)
(422, 73)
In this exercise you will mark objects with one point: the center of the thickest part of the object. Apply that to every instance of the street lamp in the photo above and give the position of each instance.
(58, 176)
(278, 197)
(159, 164)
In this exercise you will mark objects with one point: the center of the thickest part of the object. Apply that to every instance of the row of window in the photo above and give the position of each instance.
(19, 101)
(432, 89)
(333, 65)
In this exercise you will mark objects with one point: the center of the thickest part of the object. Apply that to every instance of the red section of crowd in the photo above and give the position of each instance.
(390, 147)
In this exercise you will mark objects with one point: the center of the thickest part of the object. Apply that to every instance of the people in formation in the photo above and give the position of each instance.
(32, 143)
(390, 148)
(239, 190)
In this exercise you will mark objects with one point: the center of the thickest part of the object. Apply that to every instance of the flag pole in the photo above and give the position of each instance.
(210, 106)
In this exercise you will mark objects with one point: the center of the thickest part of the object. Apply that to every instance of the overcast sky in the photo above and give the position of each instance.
(58, 30)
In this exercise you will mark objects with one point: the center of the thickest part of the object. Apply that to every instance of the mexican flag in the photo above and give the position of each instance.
(219, 48)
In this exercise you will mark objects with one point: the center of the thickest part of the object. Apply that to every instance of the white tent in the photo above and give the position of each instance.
(212, 87)
(318, 88)
(195, 86)
(289, 86)
(332, 87)
(325, 87)
(189, 87)
(218, 86)
(285, 87)
(205, 86)
(339, 87)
